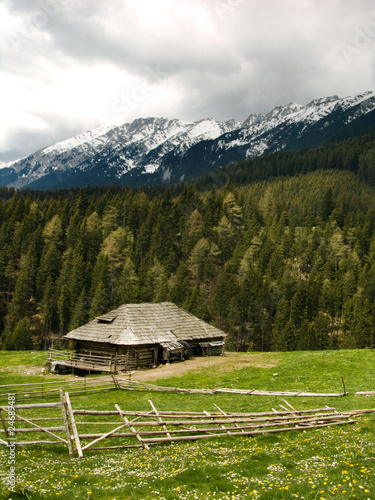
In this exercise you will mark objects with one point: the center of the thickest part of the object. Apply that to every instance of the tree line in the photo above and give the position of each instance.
(285, 263)
(356, 155)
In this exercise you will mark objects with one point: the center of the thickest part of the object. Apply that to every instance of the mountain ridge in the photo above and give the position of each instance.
(157, 150)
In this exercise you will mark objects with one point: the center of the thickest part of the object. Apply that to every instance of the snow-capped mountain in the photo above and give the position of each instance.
(160, 151)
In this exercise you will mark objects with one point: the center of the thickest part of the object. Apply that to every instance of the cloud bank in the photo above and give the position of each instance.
(69, 66)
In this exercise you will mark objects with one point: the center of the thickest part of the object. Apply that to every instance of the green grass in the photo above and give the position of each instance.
(22, 367)
(331, 463)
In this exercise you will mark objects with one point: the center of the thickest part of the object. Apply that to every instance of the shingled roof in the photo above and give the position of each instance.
(140, 324)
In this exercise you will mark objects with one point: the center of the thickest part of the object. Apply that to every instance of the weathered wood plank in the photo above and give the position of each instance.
(248, 433)
(4, 427)
(73, 424)
(65, 417)
(159, 418)
(104, 436)
(33, 405)
(131, 427)
(43, 429)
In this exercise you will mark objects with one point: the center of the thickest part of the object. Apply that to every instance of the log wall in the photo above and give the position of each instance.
(135, 356)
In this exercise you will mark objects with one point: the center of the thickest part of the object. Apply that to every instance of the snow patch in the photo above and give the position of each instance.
(77, 140)
(150, 168)
(166, 175)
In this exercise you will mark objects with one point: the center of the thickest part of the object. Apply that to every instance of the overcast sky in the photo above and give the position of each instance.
(68, 66)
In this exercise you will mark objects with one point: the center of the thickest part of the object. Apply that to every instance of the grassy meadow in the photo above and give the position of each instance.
(331, 463)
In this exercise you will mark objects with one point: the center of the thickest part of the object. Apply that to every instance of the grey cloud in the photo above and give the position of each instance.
(223, 58)
(91, 39)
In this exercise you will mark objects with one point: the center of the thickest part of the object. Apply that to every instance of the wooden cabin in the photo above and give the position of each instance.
(143, 335)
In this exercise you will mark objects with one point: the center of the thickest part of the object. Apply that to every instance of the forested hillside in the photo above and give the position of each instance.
(279, 264)
(356, 155)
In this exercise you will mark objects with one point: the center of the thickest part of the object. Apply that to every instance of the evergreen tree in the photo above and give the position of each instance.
(63, 308)
(19, 339)
(80, 313)
(126, 287)
(100, 303)
(22, 301)
(53, 231)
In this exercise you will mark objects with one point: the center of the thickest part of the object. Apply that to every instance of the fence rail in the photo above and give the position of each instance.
(43, 389)
(133, 385)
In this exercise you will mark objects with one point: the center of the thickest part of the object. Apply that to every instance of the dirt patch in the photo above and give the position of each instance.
(23, 369)
(222, 364)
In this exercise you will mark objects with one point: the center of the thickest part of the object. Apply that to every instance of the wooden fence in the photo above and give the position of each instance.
(34, 424)
(83, 385)
(82, 430)
(111, 363)
(133, 385)
(41, 390)
(144, 429)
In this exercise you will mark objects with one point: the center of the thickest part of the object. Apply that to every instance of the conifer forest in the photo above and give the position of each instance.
(278, 251)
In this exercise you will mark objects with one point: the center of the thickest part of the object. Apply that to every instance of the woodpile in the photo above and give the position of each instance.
(82, 430)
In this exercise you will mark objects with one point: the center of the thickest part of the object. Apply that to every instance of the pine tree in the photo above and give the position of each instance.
(49, 267)
(63, 308)
(100, 303)
(53, 231)
(80, 314)
(179, 285)
(327, 204)
(24, 289)
(19, 339)
(126, 287)
(232, 210)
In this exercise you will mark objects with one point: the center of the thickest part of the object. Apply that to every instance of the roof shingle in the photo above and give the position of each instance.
(140, 324)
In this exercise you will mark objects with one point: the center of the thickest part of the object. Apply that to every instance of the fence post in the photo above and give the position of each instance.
(66, 422)
(73, 424)
(5, 427)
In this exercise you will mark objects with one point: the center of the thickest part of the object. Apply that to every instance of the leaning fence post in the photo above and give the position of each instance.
(343, 384)
(66, 422)
(159, 418)
(74, 427)
(136, 434)
(5, 427)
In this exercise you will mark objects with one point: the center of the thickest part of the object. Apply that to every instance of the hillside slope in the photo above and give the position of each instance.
(281, 264)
